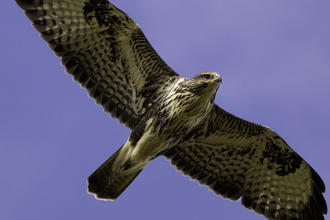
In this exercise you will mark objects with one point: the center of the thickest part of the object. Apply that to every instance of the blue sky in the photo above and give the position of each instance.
(274, 58)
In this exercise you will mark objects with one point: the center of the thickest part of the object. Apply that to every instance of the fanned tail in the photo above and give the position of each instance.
(107, 184)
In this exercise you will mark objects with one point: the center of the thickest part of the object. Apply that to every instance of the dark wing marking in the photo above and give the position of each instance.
(105, 51)
(236, 158)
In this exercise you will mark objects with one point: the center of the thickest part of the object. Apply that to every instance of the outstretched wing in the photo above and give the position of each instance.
(105, 51)
(236, 158)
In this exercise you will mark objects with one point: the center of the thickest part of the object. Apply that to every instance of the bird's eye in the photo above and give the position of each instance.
(207, 76)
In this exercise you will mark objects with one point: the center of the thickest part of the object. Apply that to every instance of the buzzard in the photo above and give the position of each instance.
(172, 116)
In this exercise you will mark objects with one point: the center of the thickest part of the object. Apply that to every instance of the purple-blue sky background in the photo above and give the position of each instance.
(274, 58)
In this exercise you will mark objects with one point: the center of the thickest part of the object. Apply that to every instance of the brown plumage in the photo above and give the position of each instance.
(107, 53)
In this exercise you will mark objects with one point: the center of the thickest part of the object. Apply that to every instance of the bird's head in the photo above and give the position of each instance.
(196, 95)
(200, 89)
(204, 83)
(208, 77)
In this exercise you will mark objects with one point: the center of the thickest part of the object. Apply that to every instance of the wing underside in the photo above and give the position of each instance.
(238, 159)
(105, 51)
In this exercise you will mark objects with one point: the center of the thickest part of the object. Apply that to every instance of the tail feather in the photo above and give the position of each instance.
(107, 184)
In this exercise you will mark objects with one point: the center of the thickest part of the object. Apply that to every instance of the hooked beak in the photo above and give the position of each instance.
(219, 79)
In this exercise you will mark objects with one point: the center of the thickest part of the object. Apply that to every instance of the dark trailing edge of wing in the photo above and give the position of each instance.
(313, 211)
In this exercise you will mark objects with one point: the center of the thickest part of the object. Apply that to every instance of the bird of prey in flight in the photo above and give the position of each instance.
(107, 53)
